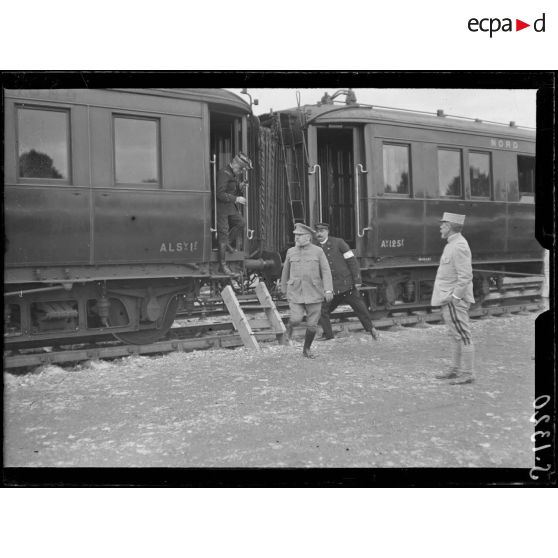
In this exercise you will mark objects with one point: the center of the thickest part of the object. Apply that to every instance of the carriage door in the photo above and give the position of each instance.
(225, 140)
(338, 149)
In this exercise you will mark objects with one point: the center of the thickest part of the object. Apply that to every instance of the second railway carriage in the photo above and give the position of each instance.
(382, 178)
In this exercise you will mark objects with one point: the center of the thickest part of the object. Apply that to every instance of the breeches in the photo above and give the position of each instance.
(227, 224)
(312, 313)
(456, 317)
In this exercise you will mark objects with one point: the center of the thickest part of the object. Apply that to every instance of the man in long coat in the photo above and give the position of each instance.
(346, 281)
(453, 291)
(306, 280)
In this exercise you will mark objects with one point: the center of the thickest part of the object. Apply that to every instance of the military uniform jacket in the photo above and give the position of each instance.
(228, 188)
(306, 275)
(343, 264)
(455, 273)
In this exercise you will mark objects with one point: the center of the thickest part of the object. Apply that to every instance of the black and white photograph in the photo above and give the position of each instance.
(273, 279)
(278, 248)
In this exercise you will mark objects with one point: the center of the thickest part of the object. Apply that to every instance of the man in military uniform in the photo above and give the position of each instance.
(306, 280)
(230, 193)
(346, 281)
(453, 291)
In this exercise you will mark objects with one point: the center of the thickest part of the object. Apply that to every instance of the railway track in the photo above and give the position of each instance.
(217, 331)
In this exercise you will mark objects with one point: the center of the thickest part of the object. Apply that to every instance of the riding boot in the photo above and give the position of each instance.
(326, 327)
(309, 337)
(455, 370)
(223, 267)
(289, 331)
(466, 375)
(235, 239)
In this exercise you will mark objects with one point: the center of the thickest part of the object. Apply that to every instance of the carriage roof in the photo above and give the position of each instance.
(212, 96)
(369, 114)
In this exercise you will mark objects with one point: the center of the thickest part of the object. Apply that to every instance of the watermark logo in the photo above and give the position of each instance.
(494, 25)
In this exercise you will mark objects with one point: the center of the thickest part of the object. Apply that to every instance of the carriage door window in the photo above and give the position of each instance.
(449, 173)
(43, 144)
(136, 151)
(479, 174)
(526, 178)
(397, 169)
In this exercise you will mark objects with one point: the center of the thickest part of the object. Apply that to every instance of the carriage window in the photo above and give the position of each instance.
(449, 172)
(136, 152)
(479, 173)
(43, 143)
(526, 178)
(397, 174)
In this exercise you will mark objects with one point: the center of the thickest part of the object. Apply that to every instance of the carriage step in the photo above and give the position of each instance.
(269, 321)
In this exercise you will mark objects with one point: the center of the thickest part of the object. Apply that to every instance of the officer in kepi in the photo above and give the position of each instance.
(230, 194)
(346, 281)
(306, 280)
(453, 291)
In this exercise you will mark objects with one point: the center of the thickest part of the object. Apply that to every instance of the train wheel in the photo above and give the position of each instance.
(146, 336)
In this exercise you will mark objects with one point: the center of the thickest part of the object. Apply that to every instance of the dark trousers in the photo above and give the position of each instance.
(229, 227)
(354, 300)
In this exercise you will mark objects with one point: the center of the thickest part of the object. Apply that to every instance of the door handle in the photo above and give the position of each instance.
(213, 162)
(358, 171)
(249, 231)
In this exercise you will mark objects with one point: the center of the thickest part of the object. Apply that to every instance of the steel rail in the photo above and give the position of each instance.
(398, 320)
(515, 273)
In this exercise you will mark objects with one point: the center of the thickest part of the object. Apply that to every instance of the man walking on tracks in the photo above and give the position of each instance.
(346, 281)
(306, 280)
(453, 291)
(230, 193)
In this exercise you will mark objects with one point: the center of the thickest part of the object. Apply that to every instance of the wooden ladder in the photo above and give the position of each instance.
(289, 140)
(271, 323)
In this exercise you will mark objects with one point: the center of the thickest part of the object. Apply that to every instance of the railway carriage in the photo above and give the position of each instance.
(382, 178)
(109, 214)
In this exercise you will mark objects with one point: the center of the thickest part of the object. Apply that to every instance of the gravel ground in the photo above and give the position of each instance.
(360, 403)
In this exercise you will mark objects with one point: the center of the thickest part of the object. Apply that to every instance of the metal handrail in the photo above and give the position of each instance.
(214, 163)
(249, 232)
(313, 171)
(357, 199)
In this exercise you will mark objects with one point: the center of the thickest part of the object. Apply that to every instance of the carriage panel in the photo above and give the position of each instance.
(150, 226)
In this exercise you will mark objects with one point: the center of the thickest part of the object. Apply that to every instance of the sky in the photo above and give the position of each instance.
(498, 105)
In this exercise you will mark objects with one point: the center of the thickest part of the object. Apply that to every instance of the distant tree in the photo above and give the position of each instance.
(480, 184)
(403, 186)
(35, 164)
(454, 187)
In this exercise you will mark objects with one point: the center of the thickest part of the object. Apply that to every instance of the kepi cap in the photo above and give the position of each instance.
(321, 226)
(454, 218)
(243, 160)
(301, 228)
